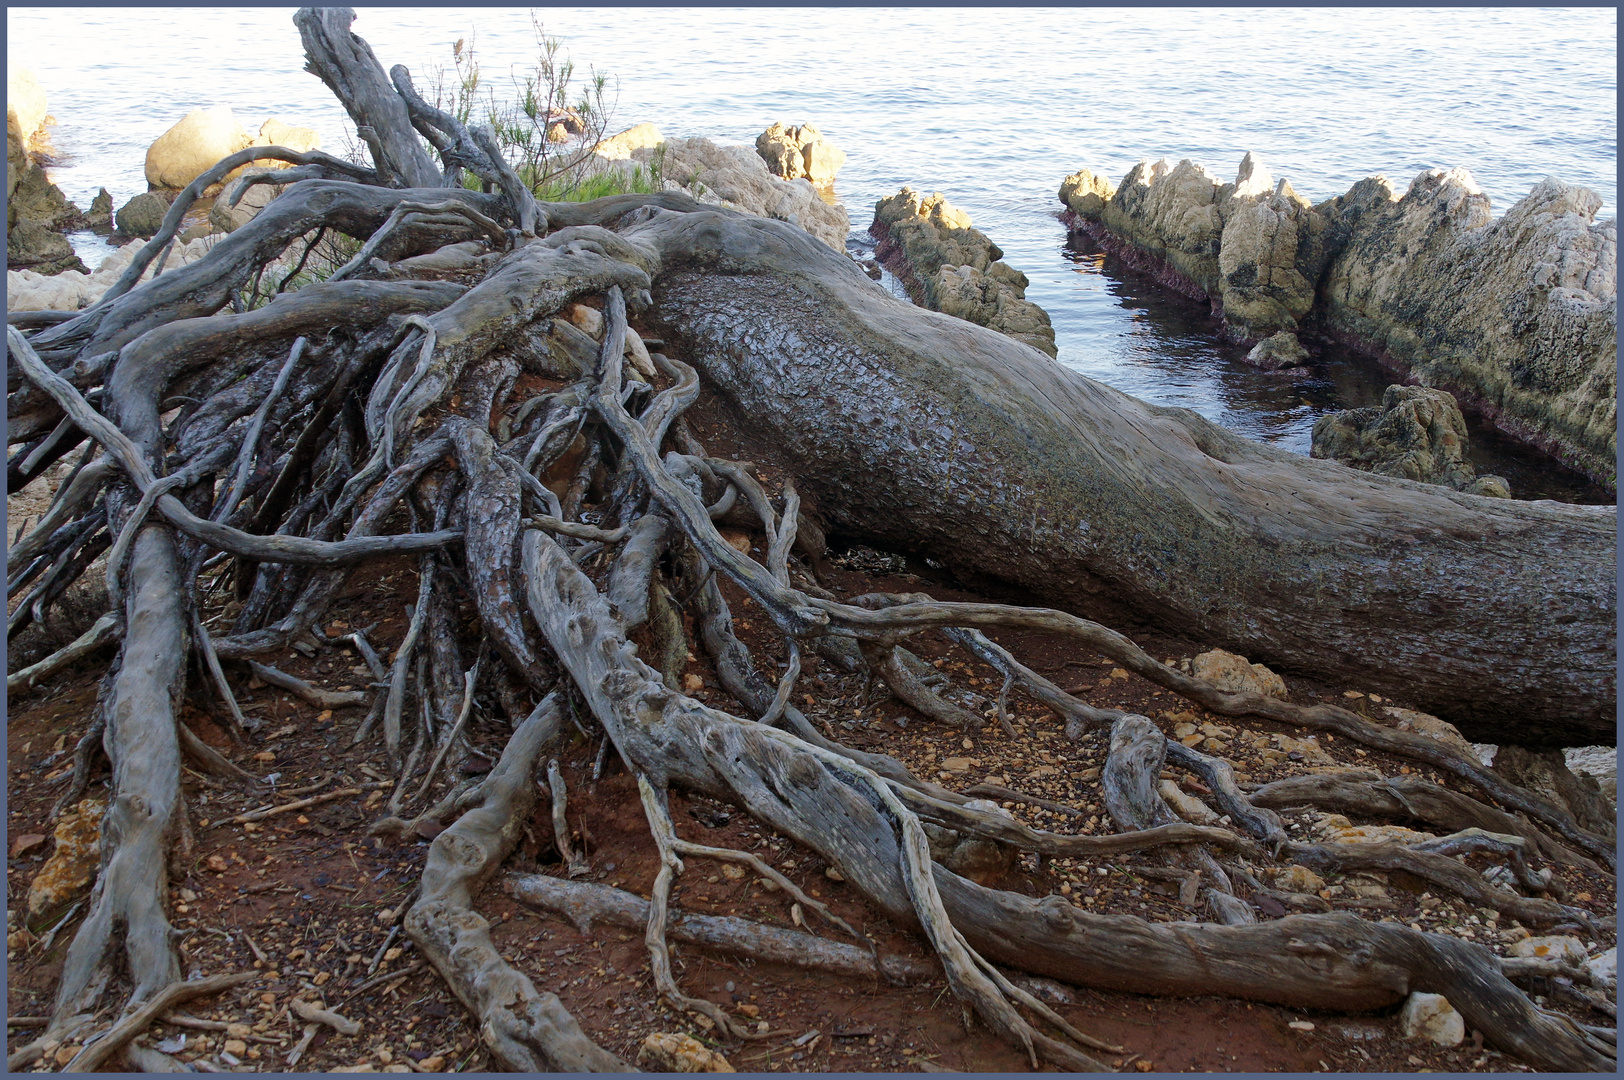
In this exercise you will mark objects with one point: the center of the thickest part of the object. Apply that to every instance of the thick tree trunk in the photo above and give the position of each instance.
(933, 435)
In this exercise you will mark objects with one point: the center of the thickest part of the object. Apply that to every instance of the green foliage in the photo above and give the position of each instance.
(546, 120)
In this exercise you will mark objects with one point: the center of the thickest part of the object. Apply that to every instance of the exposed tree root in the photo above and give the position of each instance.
(261, 455)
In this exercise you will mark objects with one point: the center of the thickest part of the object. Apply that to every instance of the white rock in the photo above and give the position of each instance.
(1430, 1016)
(71, 290)
(1604, 965)
(1236, 674)
(1598, 762)
(1553, 947)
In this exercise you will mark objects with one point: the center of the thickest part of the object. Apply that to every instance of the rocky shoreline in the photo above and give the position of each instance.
(1515, 317)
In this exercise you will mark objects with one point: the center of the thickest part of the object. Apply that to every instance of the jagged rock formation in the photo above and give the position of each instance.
(36, 209)
(800, 153)
(1516, 317)
(1417, 433)
(950, 267)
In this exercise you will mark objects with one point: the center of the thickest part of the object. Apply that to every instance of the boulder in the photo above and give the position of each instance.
(673, 1052)
(736, 177)
(1517, 314)
(1431, 1017)
(1426, 724)
(1546, 773)
(1599, 763)
(621, 146)
(201, 138)
(1236, 674)
(1278, 351)
(1085, 193)
(1551, 947)
(32, 246)
(274, 132)
(800, 153)
(1417, 433)
(228, 218)
(25, 102)
(72, 865)
(1339, 830)
(143, 215)
(951, 267)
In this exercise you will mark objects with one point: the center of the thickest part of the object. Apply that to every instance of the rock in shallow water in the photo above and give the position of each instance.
(1417, 433)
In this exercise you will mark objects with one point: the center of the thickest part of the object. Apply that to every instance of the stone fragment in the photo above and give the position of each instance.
(1339, 830)
(1604, 965)
(72, 866)
(1426, 724)
(1236, 674)
(1298, 879)
(1551, 947)
(1278, 351)
(672, 1052)
(1430, 1016)
(143, 215)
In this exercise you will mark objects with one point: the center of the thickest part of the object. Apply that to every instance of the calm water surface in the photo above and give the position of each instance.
(991, 107)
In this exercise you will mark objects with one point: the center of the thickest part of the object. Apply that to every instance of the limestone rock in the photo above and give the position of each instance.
(229, 218)
(1604, 966)
(951, 267)
(1236, 674)
(72, 866)
(1431, 1017)
(1417, 433)
(274, 132)
(201, 138)
(735, 176)
(30, 195)
(1185, 805)
(25, 101)
(32, 246)
(101, 210)
(1600, 763)
(1277, 351)
(1546, 773)
(1339, 830)
(1426, 724)
(1272, 252)
(71, 290)
(981, 860)
(1298, 879)
(1171, 212)
(1518, 313)
(669, 1052)
(1085, 193)
(800, 153)
(143, 215)
(620, 146)
(1551, 947)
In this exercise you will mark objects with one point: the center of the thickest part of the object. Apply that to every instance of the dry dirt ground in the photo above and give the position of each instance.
(312, 903)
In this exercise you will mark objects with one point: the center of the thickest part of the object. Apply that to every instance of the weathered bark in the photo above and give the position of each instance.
(940, 437)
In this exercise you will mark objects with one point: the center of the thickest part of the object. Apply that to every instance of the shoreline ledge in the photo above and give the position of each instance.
(1516, 317)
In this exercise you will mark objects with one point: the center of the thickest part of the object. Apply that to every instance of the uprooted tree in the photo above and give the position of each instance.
(264, 450)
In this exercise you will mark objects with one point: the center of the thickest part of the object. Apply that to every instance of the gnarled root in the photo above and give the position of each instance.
(527, 1030)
